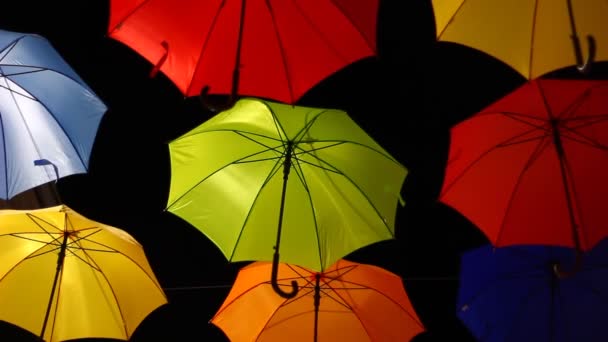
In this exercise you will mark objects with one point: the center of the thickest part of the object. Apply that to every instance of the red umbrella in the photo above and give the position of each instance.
(273, 49)
(531, 168)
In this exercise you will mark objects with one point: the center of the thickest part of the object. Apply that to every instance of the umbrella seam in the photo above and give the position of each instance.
(580, 238)
(284, 63)
(6, 163)
(59, 283)
(367, 287)
(271, 174)
(30, 254)
(505, 142)
(52, 114)
(23, 120)
(532, 39)
(565, 171)
(541, 146)
(522, 303)
(372, 205)
(298, 170)
(99, 269)
(118, 305)
(372, 46)
(128, 15)
(203, 48)
(445, 27)
(223, 167)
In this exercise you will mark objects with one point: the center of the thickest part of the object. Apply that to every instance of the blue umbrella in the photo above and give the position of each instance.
(47, 112)
(514, 294)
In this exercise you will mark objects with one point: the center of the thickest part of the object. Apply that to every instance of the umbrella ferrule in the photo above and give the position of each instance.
(287, 162)
(64, 246)
(317, 296)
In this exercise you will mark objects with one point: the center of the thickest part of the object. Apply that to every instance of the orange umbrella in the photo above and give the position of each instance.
(347, 302)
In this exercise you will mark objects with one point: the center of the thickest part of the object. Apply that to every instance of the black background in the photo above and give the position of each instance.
(406, 99)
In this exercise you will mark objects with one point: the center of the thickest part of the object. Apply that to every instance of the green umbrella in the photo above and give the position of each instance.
(312, 171)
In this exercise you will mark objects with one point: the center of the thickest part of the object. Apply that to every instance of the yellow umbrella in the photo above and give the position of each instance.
(65, 276)
(533, 37)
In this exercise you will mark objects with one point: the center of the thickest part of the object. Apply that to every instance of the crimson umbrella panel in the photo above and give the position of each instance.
(48, 115)
(272, 49)
(531, 168)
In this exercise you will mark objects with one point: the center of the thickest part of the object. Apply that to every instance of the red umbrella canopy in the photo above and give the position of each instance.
(531, 168)
(280, 49)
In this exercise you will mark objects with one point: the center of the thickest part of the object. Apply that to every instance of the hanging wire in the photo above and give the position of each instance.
(225, 286)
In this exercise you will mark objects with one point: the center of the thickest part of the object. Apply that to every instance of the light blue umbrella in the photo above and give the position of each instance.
(47, 112)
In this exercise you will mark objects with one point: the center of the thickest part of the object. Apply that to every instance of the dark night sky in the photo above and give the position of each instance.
(406, 99)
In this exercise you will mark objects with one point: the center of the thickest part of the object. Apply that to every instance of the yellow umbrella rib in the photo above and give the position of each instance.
(34, 219)
(532, 37)
(91, 261)
(31, 255)
(98, 269)
(439, 34)
(54, 241)
(18, 235)
(113, 250)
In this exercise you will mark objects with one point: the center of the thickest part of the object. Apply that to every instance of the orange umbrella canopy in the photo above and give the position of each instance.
(356, 302)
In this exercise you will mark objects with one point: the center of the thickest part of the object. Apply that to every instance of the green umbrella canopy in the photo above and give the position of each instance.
(264, 173)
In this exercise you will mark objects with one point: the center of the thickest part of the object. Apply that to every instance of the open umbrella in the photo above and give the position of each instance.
(270, 49)
(47, 112)
(347, 302)
(313, 171)
(67, 277)
(533, 37)
(531, 167)
(512, 294)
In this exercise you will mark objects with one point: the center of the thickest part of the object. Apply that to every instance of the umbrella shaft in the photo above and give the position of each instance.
(564, 173)
(60, 260)
(317, 299)
(237, 59)
(286, 168)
